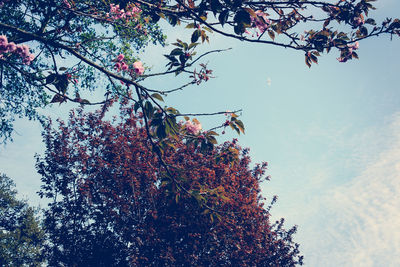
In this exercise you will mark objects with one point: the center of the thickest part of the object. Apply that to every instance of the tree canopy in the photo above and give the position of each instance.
(21, 237)
(146, 189)
(114, 204)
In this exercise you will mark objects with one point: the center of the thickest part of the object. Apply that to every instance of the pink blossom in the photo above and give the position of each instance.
(113, 8)
(120, 57)
(138, 67)
(350, 49)
(25, 48)
(124, 66)
(354, 46)
(117, 13)
(193, 128)
(19, 49)
(262, 22)
(3, 39)
(67, 4)
(11, 47)
(117, 66)
(358, 21)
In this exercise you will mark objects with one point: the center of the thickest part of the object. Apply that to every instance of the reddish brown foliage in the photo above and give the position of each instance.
(116, 206)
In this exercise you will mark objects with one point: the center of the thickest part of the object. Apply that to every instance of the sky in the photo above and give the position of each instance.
(330, 134)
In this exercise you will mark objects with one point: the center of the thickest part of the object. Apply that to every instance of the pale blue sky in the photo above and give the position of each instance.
(331, 136)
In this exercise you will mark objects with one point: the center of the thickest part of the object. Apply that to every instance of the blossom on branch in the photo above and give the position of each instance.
(7, 48)
(193, 127)
(131, 14)
(138, 67)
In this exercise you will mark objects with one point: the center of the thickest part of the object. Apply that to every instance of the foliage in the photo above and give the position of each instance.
(64, 40)
(20, 234)
(115, 204)
(146, 189)
(76, 43)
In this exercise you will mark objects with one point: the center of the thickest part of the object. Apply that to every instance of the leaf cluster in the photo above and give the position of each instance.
(111, 197)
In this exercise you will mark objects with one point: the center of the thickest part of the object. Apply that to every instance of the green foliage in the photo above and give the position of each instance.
(25, 88)
(21, 237)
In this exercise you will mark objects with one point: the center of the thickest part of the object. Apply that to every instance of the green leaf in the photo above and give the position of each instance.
(57, 99)
(160, 132)
(314, 58)
(51, 78)
(364, 31)
(223, 17)
(190, 26)
(308, 61)
(212, 133)
(192, 45)
(239, 29)
(234, 127)
(208, 29)
(137, 105)
(60, 81)
(240, 125)
(242, 17)
(173, 20)
(206, 211)
(237, 3)
(171, 123)
(370, 21)
(148, 110)
(157, 96)
(182, 59)
(195, 36)
(216, 6)
(251, 12)
(176, 51)
(212, 140)
(271, 34)
(172, 110)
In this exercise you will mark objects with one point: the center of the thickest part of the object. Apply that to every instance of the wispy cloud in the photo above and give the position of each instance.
(357, 223)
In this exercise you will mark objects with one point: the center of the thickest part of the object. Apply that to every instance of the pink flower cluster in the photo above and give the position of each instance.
(67, 4)
(354, 46)
(120, 65)
(116, 13)
(347, 53)
(138, 67)
(359, 21)
(193, 127)
(12, 48)
(260, 23)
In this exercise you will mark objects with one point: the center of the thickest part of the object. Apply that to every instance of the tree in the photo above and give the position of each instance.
(21, 237)
(46, 47)
(115, 204)
(78, 43)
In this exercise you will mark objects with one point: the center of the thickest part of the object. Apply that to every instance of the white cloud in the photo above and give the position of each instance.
(357, 223)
